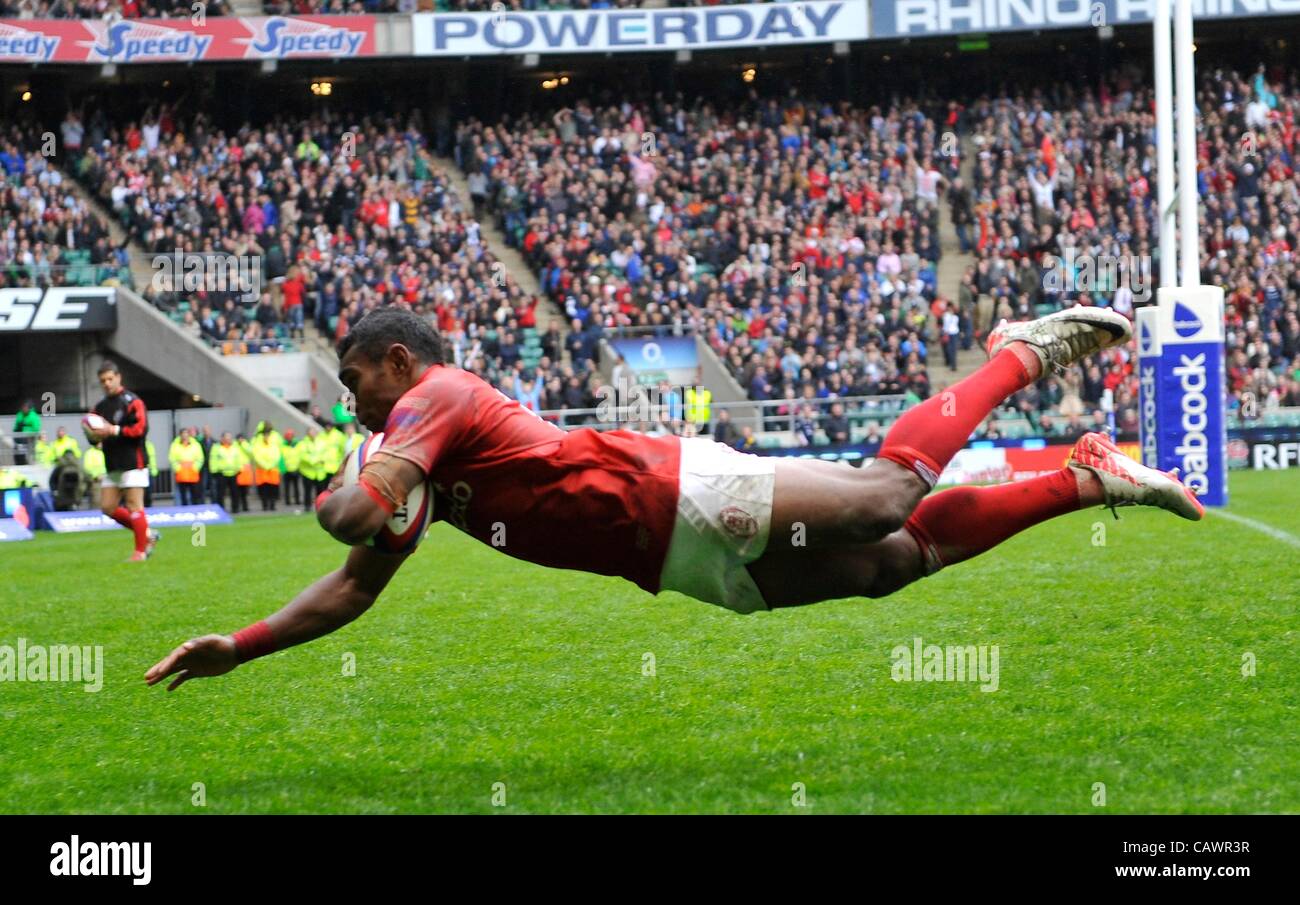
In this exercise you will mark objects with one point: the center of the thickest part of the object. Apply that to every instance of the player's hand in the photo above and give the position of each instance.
(211, 655)
(335, 482)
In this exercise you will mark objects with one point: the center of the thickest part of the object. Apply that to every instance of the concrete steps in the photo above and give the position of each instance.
(517, 268)
(952, 264)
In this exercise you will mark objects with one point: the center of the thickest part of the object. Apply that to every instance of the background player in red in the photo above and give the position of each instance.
(125, 460)
(685, 514)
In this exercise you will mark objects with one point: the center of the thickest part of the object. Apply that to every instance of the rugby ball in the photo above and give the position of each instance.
(403, 532)
(95, 423)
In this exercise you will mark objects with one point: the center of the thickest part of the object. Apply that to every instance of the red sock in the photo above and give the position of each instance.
(963, 522)
(122, 516)
(140, 525)
(928, 435)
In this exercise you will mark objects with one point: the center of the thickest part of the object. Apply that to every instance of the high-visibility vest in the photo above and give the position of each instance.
(698, 405)
(186, 458)
(331, 452)
(245, 476)
(67, 442)
(10, 479)
(290, 457)
(224, 460)
(308, 452)
(45, 453)
(94, 463)
(266, 459)
(153, 458)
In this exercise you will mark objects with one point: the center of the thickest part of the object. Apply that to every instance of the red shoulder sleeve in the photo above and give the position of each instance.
(429, 421)
(139, 425)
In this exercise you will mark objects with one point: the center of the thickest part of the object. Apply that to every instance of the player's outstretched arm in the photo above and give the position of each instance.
(328, 604)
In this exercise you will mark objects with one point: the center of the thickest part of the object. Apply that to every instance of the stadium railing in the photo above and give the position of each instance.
(774, 416)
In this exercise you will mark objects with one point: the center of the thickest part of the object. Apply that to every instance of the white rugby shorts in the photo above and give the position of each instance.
(724, 517)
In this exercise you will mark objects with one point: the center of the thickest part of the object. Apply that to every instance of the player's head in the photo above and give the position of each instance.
(110, 378)
(383, 356)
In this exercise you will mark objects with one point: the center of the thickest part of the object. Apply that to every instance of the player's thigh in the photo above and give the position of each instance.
(134, 497)
(831, 503)
(109, 498)
(794, 576)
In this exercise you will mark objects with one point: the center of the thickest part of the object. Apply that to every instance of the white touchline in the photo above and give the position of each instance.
(1275, 533)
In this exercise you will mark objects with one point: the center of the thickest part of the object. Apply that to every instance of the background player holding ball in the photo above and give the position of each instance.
(120, 422)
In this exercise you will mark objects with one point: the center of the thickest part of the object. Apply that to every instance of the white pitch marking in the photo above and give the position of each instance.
(1275, 533)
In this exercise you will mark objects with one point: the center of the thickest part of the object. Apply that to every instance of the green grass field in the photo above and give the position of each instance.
(1119, 664)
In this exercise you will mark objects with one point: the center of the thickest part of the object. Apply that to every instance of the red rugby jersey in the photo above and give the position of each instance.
(602, 502)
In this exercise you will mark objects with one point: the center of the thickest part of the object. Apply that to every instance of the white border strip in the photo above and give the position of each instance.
(1275, 533)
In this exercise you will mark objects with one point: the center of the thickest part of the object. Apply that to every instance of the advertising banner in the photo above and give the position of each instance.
(12, 529)
(1189, 390)
(58, 309)
(627, 30)
(920, 18)
(78, 520)
(182, 41)
(653, 358)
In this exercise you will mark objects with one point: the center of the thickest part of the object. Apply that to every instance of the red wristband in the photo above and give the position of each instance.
(254, 641)
(321, 498)
(380, 500)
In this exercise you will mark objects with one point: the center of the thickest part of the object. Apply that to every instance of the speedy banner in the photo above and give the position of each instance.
(625, 30)
(918, 18)
(181, 41)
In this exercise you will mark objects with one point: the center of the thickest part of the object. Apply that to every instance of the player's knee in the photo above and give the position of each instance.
(876, 517)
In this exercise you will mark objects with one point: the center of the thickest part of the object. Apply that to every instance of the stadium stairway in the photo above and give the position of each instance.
(952, 264)
(147, 337)
(150, 339)
(515, 264)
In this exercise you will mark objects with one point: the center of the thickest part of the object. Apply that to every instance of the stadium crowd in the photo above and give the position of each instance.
(107, 10)
(48, 235)
(1063, 211)
(335, 217)
(799, 238)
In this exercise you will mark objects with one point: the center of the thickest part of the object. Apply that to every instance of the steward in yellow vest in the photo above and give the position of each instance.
(266, 465)
(699, 412)
(64, 442)
(290, 461)
(93, 463)
(187, 461)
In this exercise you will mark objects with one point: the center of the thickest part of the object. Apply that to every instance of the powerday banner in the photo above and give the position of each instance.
(628, 30)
